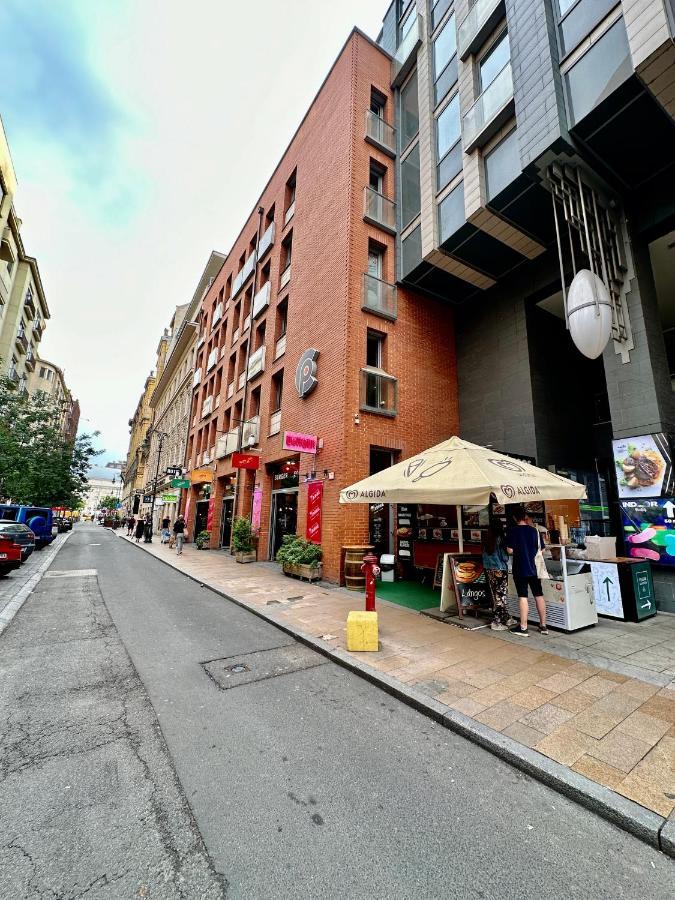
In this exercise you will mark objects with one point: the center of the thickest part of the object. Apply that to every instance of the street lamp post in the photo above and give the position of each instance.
(162, 435)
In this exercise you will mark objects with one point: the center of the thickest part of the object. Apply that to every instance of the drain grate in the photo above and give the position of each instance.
(261, 665)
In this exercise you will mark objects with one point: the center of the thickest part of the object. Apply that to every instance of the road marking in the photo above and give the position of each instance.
(94, 545)
(17, 602)
(71, 573)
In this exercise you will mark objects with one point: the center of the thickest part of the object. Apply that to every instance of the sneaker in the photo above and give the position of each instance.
(497, 626)
(521, 632)
(543, 629)
(510, 622)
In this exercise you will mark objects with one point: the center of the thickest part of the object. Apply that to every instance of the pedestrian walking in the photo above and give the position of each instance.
(166, 533)
(131, 521)
(147, 532)
(496, 566)
(179, 534)
(140, 528)
(525, 544)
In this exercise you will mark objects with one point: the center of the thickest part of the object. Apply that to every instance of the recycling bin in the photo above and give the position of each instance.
(387, 561)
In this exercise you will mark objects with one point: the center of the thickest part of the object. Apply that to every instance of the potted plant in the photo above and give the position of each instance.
(203, 540)
(300, 557)
(242, 541)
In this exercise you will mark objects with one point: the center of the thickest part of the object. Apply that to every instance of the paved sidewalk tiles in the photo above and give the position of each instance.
(615, 729)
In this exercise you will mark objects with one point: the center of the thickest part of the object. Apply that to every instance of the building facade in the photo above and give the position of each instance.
(306, 356)
(172, 397)
(97, 489)
(535, 138)
(49, 379)
(134, 474)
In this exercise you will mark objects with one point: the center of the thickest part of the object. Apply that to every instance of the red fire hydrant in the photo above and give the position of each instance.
(371, 570)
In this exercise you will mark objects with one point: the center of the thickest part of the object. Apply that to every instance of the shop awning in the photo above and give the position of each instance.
(457, 472)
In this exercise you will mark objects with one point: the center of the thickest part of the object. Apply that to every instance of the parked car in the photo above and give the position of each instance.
(63, 523)
(22, 536)
(10, 555)
(40, 520)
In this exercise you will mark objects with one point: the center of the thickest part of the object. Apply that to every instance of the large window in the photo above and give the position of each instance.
(407, 22)
(582, 18)
(448, 146)
(502, 164)
(451, 215)
(410, 112)
(410, 186)
(599, 72)
(494, 61)
(411, 251)
(445, 59)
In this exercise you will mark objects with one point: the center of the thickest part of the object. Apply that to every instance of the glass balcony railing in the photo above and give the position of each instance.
(230, 390)
(478, 24)
(266, 240)
(251, 432)
(379, 210)
(285, 277)
(379, 392)
(280, 348)
(406, 53)
(380, 133)
(489, 112)
(275, 423)
(261, 300)
(228, 443)
(256, 363)
(379, 297)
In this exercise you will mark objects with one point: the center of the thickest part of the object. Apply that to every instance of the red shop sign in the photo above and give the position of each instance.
(314, 497)
(209, 514)
(245, 461)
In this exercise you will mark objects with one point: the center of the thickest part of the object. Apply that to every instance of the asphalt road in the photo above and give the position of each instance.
(311, 783)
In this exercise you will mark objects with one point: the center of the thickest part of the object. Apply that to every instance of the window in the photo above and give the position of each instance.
(376, 178)
(277, 391)
(377, 102)
(290, 197)
(502, 165)
(448, 129)
(599, 72)
(445, 59)
(439, 10)
(407, 22)
(282, 318)
(378, 390)
(451, 213)
(494, 61)
(375, 349)
(409, 108)
(410, 186)
(564, 5)
(411, 251)
(286, 253)
(43, 372)
(581, 20)
(375, 260)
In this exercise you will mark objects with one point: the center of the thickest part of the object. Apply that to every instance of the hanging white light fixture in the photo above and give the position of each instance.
(589, 313)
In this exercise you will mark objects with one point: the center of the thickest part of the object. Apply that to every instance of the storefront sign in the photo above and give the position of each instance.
(471, 587)
(286, 475)
(180, 483)
(607, 590)
(256, 508)
(209, 514)
(169, 498)
(314, 496)
(173, 470)
(644, 466)
(201, 476)
(300, 443)
(147, 498)
(649, 529)
(245, 461)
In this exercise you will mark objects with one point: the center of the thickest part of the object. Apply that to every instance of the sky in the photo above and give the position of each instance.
(142, 133)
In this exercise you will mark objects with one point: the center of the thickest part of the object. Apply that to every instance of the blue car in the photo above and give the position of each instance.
(39, 519)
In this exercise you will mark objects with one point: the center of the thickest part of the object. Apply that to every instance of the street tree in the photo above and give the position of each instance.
(108, 502)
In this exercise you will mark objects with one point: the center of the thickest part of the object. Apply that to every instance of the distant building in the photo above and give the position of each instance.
(97, 489)
(137, 455)
(49, 379)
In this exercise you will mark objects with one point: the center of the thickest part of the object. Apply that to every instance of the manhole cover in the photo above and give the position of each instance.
(234, 671)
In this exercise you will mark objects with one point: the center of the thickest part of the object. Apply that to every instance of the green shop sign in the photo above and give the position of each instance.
(180, 483)
(169, 498)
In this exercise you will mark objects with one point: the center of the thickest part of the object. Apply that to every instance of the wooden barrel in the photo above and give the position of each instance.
(355, 580)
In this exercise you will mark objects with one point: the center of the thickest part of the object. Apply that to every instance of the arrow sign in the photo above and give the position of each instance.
(607, 581)
(669, 507)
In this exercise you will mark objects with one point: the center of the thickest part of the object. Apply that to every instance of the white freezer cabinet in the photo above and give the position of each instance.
(568, 594)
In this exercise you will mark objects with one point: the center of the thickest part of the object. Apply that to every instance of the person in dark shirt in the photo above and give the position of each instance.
(179, 533)
(523, 543)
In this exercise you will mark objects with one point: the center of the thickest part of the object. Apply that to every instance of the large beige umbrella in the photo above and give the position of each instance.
(457, 472)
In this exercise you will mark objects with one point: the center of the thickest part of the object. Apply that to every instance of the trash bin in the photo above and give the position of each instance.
(387, 561)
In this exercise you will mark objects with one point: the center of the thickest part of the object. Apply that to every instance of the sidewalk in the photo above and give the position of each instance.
(616, 730)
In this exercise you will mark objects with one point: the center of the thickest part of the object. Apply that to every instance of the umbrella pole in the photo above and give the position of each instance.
(459, 529)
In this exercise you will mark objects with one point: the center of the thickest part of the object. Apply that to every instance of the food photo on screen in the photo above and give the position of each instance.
(643, 466)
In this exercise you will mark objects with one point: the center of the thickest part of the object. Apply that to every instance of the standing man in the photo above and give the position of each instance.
(523, 543)
(179, 533)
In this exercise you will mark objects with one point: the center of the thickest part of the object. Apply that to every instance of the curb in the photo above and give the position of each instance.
(647, 826)
(17, 602)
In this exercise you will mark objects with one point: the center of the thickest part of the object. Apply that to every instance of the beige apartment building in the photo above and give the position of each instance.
(137, 454)
(172, 397)
(49, 379)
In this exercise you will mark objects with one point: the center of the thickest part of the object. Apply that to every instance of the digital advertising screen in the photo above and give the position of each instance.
(644, 466)
(649, 529)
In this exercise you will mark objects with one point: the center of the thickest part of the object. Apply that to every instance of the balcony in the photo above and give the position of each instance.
(13, 375)
(217, 315)
(491, 110)
(251, 432)
(379, 297)
(261, 300)
(379, 392)
(478, 25)
(7, 249)
(230, 390)
(21, 339)
(247, 323)
(290, 212)
(266, 241)
(207, 407)
(201, 341)
(380, 134)
(196, 378)
(275, 423)
(227, 444)
(29, 303)
(285, 277)
(30, 360)
(242, 380)
(235, 336)
(280, 347)
(379, 210)
(212, 360)
(256, 363)
(406, 54)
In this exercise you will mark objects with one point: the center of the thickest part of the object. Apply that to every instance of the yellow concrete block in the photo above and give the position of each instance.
(362, 631)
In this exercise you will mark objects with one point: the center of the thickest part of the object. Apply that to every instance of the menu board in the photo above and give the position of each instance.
(644, 466)
(535, 510)
(649, 529)
(471, 586)
(406, 523)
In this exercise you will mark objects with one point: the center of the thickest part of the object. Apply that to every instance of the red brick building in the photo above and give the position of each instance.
(324, 280)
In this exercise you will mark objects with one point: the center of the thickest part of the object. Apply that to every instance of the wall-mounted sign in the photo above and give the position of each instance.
(173, 470)
(305, 373)
(180, 483)
(644, 466)
(209, 514)
(256, 508)
(286, 474)
(169, 498)
(314, 496)
(649, 529)
(147, 498)
(201, 476)
(245, 461)
(300, 443)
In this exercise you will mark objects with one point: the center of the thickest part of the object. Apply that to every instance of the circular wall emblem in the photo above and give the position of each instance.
(506, 464)
(351, 495)
(305, 373)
